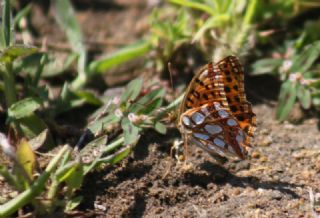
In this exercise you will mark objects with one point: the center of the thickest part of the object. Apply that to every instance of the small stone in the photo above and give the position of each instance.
(266, 142)
(237, 191)
(264, 159)
(255, 154)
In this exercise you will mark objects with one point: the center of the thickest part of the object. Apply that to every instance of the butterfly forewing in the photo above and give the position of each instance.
(205, 86)
(215, 114)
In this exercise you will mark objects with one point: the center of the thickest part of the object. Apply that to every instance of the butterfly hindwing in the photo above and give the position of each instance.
(215, 130)
(215, 100)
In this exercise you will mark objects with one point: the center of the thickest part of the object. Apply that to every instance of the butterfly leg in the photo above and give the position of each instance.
(187, 166)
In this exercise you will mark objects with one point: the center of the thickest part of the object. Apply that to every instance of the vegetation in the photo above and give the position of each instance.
(258, 31)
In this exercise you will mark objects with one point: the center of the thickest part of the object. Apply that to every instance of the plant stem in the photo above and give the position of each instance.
(6, 23)
(25, 197)
(9, 85)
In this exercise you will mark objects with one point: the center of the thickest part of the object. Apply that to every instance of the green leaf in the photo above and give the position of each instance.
(26, 157)
(103, 123)
(89, 97)
(65, 171)
(32, 126)
(122, 154)
(6, 30)
(266, 66)
(53, 66)
(22, 13)
(303, 61)
(212, 22)
(70, 99)
(123, 55)
(287, 98)
(148, 102)
(58, 66)
(39, 140)
(160, 128)
(67, 20)
(23, 108)
(316, 101)
(132, 90)
(304, 96)
(151, 106)
(195, 5)
(73, 203)
(75, 179)
(13, 52)
(131, 132)
(94, 146)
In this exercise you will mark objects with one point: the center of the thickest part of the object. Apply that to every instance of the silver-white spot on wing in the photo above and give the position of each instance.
(219, 142)
(223, 113)
(198, 118)
(204, 74)
(186, 121)
(231, 122)
(205, 110)
(239, 139)
(215, 149)
(212, 129)
(201, 136)
(217, 105)
(230, 148)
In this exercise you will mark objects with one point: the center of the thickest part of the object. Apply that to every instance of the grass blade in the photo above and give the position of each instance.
(121, 56)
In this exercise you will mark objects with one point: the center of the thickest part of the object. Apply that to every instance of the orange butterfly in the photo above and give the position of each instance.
(215, 114)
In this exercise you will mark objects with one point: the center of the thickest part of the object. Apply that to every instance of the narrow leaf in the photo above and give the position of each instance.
(132, 90)
(131, 132)
(287, 98)
(123, 55)
(23, 108)
(160, 128)
(303, 61)
(143, 103)
(304, 96)
(67, 20)
(13, 52)
(266, 66)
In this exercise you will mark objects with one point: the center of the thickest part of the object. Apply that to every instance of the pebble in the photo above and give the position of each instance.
(266, 141)
(255, 154)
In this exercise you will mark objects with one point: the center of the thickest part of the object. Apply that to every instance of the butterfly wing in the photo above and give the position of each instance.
(233, 80)
(218, 89)
(205, 87)
(215, 130)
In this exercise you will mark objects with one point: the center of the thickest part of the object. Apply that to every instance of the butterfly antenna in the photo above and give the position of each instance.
(170, 73)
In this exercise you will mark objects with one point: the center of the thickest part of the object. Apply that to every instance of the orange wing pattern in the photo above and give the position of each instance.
(235, 94)
(215, 113)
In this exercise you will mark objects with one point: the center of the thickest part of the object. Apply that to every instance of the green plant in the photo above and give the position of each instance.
(227, 21)
(298, 72)
(27, 122)
(132, 113)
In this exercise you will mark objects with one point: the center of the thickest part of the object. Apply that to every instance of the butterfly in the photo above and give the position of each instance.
(215, 114)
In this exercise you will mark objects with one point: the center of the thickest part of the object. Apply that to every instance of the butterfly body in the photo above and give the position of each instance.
(215, 114)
